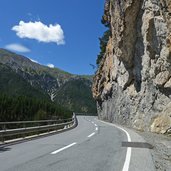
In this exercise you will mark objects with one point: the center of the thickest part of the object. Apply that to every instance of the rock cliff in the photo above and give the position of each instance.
(133, 83)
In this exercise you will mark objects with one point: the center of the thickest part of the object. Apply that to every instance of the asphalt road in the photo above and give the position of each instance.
(91, 146)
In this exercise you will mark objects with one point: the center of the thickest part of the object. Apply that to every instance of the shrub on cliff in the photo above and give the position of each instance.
(103, 43)
(105, 38)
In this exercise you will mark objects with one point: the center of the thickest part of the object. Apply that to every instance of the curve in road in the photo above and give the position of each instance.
(92, 146)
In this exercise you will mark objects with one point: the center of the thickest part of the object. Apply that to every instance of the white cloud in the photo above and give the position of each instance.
(17, 47)
(33, 60)
(51, 65)
(39, 31)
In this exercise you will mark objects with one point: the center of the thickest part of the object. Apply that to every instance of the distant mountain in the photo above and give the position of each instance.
(13, 84)
(20, 76)
(76, 94)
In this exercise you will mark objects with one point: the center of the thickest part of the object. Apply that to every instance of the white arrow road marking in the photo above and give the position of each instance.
(64, 148)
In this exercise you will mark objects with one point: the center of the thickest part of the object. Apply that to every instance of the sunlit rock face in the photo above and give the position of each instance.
(133, 83)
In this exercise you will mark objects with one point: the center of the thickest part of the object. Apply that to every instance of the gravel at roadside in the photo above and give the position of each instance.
(161, 153)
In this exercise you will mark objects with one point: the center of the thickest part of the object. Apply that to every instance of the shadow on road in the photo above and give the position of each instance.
(4, 149)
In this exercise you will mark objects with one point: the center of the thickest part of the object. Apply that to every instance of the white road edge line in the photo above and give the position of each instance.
(129, 149)
(91, 135)
(63, 148)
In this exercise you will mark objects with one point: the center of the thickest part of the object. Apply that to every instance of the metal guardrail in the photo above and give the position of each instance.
(39, 126)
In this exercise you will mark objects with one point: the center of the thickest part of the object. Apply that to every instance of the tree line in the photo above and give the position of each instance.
(19, 108)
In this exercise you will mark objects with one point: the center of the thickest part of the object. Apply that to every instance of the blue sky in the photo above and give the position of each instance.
(58, 32)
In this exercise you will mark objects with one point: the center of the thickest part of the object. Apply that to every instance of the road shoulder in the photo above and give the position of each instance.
(161, 152)
(141, 158)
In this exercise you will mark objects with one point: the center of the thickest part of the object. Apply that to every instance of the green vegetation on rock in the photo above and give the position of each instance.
(103, 43)
(107, 34)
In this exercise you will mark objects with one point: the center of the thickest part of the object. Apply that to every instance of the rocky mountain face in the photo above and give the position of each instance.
(41, 77)
(133, 83)
(13, 84)
(42, 81)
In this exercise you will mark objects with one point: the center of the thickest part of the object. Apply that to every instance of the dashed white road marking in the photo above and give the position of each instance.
(64, 148)
(91, 135)
(96, 128)
(95, 124)
(129, 149)
(92, 122)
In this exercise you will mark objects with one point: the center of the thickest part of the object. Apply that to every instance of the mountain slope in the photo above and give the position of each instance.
(12, 83)
(74, 91)
(38, 80)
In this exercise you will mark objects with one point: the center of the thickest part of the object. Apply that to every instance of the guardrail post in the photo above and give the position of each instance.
(56, 122)
(48, 128)
(24, 126)
(2, 138)
(4, 128)
(38, 127)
